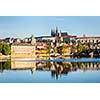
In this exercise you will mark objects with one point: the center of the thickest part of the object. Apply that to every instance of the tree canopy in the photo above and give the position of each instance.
(79, 47)
(6, 50)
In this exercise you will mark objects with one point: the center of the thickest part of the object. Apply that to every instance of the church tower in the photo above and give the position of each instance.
(52, 33)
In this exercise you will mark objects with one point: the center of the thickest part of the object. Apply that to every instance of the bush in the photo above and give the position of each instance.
(1, 45)
(6, 50)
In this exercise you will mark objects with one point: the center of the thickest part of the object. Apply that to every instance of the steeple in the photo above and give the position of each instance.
(53, 32)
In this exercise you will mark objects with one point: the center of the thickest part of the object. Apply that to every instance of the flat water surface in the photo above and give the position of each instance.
(84, 70)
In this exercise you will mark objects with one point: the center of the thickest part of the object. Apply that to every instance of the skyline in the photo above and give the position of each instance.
(25, 26)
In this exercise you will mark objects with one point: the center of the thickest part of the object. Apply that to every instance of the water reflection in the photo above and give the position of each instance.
(57, 69)
(63, 68)
(5, 65)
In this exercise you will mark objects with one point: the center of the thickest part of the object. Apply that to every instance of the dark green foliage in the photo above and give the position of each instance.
(79, 47)
(7, 65)
(62, 49)
(6, 50)
(1, 68)
(49, 48)
(1, 45)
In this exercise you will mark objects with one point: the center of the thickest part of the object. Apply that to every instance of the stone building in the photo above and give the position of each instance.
(88, 39)
(22, 50)
(92, 41)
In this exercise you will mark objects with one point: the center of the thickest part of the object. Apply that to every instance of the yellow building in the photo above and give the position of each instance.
(41, 49)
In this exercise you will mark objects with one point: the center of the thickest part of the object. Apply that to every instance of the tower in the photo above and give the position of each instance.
(52, 33)
(57, 31)
(33, 40)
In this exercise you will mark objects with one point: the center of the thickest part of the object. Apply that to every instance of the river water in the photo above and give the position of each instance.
(84, 70)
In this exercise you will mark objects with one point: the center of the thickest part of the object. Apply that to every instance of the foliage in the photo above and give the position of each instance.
(59, 50)
(85, 47)
(1, 68)
(62, 49)
(73, 42)
(7, 65)
(54, 50)
(79, 47)
(1, 45)
(73, 49)
(49, 48)
(6, 50)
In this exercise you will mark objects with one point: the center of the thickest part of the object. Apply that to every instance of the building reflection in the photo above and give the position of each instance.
(63, 68)
(18, 64)
(5, 66)
(57, 69)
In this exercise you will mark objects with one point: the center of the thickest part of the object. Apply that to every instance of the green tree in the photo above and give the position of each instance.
(85, 47)
(49, 48)
(1, 68)
(79, 47)
(6, 50)
(59, 50)
(73, 49)
(54, 50)
(1, 45)
(62, 49)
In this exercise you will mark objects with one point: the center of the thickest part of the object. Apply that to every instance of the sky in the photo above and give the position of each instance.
(25, 26)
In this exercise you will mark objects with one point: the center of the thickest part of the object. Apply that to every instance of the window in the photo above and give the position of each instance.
(97, 41)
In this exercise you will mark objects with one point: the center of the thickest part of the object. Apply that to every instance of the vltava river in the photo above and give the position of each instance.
(85, 70)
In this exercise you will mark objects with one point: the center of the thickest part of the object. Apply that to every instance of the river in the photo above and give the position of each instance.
(84, 70)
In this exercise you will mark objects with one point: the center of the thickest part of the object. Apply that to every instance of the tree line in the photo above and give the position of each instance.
(5, 49)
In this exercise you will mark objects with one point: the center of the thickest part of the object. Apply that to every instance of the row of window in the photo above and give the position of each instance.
(94, 41)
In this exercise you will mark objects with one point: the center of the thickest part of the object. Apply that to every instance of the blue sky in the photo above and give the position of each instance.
(25, 26)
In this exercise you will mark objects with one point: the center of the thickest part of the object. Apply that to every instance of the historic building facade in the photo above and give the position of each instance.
(23, 50)
(88, 39)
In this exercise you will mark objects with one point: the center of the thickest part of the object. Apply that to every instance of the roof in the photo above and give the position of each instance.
(64, 34)
(85, 37)
(22, 44)
(69, 36)
(43, 37)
